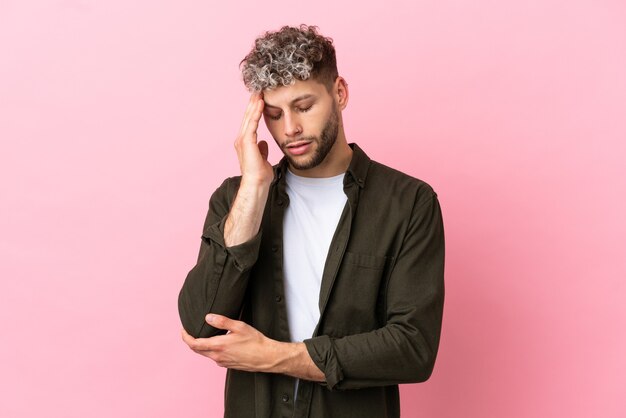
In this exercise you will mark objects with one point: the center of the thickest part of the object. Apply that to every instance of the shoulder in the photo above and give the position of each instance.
(395, 184)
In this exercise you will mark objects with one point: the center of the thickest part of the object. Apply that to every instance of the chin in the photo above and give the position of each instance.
(301, 162)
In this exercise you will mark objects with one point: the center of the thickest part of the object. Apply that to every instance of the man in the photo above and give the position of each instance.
(319, 282)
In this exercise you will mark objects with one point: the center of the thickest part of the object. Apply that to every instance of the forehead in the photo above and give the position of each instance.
(284, 95)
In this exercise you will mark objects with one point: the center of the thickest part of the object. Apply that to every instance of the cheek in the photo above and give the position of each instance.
(318, 122)
(270, 124)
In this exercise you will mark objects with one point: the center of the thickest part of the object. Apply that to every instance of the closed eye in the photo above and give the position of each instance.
(299, 109)
(305, 109)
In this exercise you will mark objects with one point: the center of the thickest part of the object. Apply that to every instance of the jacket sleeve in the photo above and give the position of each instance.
(405, 348)
(218, 281)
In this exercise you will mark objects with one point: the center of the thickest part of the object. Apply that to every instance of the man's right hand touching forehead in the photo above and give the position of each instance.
(244, 218)
(252, 154)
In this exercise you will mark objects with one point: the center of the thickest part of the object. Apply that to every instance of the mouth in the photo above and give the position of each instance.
(299, 147)
(298, 143)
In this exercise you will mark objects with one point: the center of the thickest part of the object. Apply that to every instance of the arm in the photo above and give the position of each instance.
(404, 350)
(246, 348)
(231, 237)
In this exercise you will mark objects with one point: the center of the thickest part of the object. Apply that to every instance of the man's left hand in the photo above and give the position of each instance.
(242, 348)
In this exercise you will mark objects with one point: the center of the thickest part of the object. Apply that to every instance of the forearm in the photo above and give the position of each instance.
(246, 214)
(387, 356)
(214, 285)
(218, 281)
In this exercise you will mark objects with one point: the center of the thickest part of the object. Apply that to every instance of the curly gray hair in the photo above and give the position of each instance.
(292, 53)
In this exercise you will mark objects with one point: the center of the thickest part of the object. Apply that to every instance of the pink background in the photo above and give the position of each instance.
(117, 120)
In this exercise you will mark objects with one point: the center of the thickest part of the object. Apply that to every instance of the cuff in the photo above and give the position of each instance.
(323, 354)
(244, 255)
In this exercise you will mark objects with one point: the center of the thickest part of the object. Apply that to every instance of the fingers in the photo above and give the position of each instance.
(223, 322)
(203, 344)
(252, 116)
(250, 123)
(189, 340)
(252, 155)
(251, 102)
(253, 120)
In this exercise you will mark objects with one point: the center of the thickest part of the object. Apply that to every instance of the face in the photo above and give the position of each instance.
(304, 120)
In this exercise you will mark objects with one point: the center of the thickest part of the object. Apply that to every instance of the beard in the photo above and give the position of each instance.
(324, 143)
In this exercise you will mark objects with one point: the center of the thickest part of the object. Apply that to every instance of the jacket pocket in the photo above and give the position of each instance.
(356, 301)
(366, 261)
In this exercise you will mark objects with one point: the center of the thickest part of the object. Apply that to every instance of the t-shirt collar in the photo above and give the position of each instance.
(357, 170)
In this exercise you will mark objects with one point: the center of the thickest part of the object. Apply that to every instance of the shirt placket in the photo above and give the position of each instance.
(338, 246)
(283, 385)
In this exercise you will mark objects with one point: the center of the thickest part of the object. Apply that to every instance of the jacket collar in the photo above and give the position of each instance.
(357, 170)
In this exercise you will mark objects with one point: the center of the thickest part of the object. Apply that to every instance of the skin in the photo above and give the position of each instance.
(302, 112)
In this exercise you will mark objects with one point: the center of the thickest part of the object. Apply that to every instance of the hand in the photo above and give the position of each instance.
(245, 348)
(246, 214)
(242, 348)
(252, 155)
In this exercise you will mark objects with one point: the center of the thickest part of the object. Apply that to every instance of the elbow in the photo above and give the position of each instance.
(422, 362)
(193, 319)
(187, 317)
(418, 371)
(422, 372)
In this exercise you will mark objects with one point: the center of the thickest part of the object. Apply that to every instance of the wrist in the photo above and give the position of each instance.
(293, 359)
(285, 358)
(255, 182)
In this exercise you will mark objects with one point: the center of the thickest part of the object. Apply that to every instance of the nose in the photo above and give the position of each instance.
(292, 125)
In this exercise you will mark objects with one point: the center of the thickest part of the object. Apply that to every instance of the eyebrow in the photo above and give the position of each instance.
(297, 99)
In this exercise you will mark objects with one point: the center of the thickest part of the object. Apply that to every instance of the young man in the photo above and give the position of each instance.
(319, 282)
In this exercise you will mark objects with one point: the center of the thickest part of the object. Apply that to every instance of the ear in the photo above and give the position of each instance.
(341, 92)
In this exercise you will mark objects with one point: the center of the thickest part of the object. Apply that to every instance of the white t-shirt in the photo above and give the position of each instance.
(315, 206)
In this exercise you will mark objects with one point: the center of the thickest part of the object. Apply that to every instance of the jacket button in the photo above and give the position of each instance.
(278, 298)
(285, 398)
(280, 203)
(274, 248)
